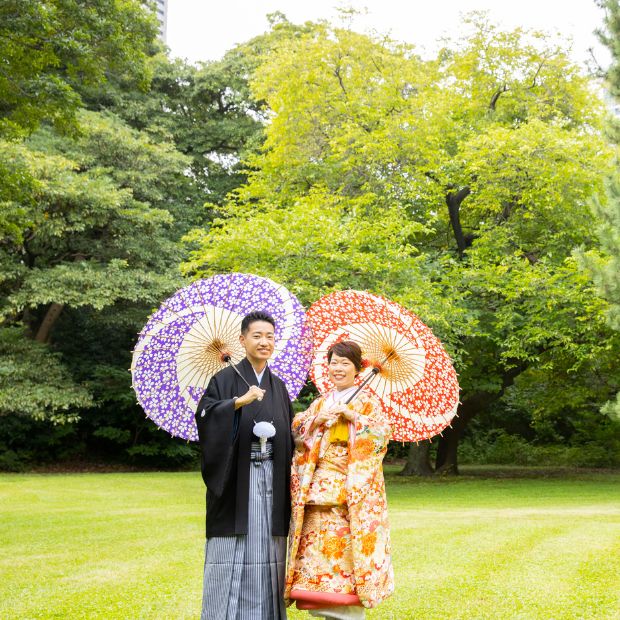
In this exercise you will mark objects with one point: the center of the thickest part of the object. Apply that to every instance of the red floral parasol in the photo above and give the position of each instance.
(415, 380)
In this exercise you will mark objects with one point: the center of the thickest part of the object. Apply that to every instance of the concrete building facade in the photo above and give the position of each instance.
(161, 10)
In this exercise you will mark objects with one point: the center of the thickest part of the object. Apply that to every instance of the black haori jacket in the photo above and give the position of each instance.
(225, 436)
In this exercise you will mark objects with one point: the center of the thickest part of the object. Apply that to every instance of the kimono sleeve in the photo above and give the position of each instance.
(217, 423)
(302, 435)
(366, 451)
(370, 535)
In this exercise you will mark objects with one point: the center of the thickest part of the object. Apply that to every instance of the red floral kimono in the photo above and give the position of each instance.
(339, 539)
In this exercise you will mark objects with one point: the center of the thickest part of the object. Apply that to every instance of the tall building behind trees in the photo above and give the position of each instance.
(161, 10)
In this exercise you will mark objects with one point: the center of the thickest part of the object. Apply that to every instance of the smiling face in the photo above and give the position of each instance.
(342, 372)
(258, 342)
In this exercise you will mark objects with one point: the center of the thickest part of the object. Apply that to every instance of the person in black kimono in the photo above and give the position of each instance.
(248, 496)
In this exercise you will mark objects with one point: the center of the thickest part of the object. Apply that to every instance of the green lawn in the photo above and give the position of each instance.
(130, 546)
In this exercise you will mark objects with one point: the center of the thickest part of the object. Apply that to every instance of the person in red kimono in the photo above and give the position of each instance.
(339, 559)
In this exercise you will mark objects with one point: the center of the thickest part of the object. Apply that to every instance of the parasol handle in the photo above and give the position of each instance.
(373, 373)
(226, 358)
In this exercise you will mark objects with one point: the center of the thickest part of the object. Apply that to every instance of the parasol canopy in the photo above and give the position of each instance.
(415, 379)
(196, 331)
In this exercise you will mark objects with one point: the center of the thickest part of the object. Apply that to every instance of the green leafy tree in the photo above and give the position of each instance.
(457, 186)
(91, 229)
(35, 382)
(207, 110)
(50, 48)
(605, 264)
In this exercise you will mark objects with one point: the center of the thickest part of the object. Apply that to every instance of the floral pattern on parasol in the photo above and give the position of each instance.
(415, 379)
(188, 339)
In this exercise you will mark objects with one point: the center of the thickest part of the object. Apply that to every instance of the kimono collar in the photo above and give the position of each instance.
(341, 396)
(248, 372)
(259, 376)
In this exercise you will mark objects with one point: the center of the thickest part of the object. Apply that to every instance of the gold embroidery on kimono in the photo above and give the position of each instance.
(339, 536)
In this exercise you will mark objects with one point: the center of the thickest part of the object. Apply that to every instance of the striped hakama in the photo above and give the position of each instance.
(244, 575)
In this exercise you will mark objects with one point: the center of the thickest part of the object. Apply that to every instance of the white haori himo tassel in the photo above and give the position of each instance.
(264, 431)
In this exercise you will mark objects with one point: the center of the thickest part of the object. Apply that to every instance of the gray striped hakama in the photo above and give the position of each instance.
(244, 575)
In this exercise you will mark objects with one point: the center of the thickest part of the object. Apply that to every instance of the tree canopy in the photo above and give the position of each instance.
(458, 186)
(604, 263)
(50, 48)
(90, 230)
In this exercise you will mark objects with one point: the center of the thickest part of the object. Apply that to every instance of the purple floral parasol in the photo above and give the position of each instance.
(183, 344)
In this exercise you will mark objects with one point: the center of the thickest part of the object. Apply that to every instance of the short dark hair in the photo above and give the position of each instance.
(252, 317)
(349, 349)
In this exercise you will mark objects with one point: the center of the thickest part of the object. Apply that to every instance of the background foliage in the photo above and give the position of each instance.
(459, 186)
(477, 188)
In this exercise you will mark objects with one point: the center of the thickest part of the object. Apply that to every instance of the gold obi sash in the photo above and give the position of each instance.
(339, 431)
(329, 482)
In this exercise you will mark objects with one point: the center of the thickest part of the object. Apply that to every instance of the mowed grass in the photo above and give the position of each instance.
(131, 546)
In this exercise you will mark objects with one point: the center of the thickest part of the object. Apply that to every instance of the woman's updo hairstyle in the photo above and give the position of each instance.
(349, 349)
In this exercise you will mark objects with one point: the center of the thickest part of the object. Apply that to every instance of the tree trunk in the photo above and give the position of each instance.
(446, 463)
(454, 200)
(49, 320)
(418, 460)
(447, 450)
